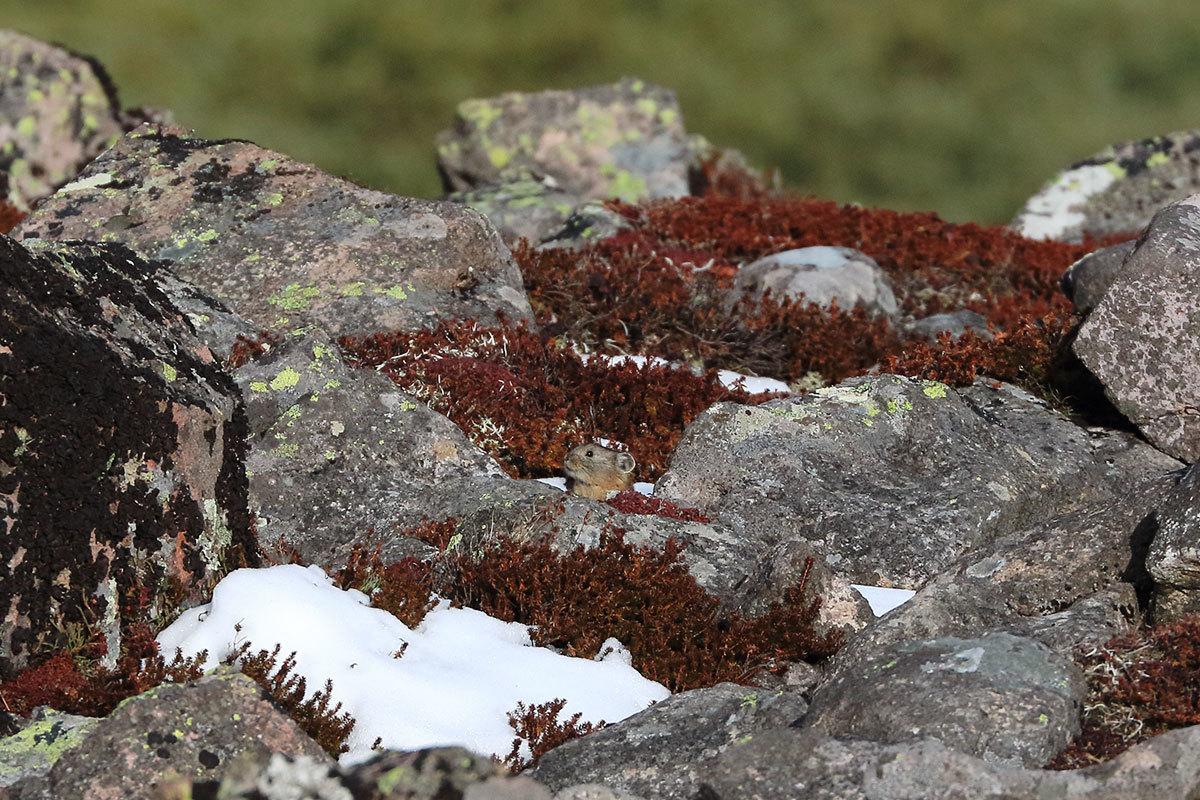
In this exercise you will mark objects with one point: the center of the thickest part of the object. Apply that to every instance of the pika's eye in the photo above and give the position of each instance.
(589, 454)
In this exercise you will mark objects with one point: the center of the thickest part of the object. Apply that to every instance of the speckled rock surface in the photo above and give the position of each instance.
(523, 206)
(806, 763)
(823, 275)
(1066, 581)
(198, 731)
(892, 479)
(1115, 191)
(1004, 698)
(656, 752)
(121, 445)
(1174, 558)
(356, 449)
(281, 242)
(624, 140)
(1142, 340)
(58, 110)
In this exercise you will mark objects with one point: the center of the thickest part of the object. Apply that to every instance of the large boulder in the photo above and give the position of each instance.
(1115, 191)
(624, 140)
(893, 479)
(58, 110)
(1001, 697)
(1142, 339)
(121, 448)
(1174, 557)
(283, 243)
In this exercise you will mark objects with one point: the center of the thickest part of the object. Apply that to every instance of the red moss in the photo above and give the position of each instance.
(527, 401)
(643, 597)
(245, 350)
(1140, 685)
(538, 726)
(637, 503)
(10, 217)
(403, 588)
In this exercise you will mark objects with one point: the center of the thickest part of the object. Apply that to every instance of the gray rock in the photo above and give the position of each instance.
(1086, 281)
(893, 479)
(358, 451)
(122, 447)
(1174, 558)
(282, 243)
(46, 735)
(1040, 582)
(805, 763)
(1003, 698)
(58, 110)
(1141, 339)
(623, 140)
(656, 752)
(955, 324)
(1115, 191)
(823, 275)
(588, 223)
(205, 729)
(521, 206)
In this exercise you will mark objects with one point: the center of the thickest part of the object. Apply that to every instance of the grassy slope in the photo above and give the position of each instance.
(960, 107)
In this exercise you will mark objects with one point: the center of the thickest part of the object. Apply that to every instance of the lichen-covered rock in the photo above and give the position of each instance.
(823, 275)
(46, 735)
(1116, 191)
(891, 478)
(1086, 281)
(121, 448)
(58, 110)
(1000, 697)
(954, 324)
(656, 752)
(281, 242)
(523, 206)
(624, 140)
(1142, 340)
(202, 730)
(357, 452)
(806, 763)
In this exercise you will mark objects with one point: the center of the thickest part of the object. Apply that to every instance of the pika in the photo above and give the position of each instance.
(593, 470)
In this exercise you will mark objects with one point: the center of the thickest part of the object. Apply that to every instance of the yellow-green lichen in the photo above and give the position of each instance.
(207, 236)
(286, 379)
(479, 112)
(259, 386)
(934, 390)
(1156, 159)
(294, 296)
(169, 372)
(286, 450)
(627, 187)
(23, 440)
(274, 199)
(395, 291)
(353, 289)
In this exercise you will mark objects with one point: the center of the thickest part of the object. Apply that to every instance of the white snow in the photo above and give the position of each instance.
(458, 676)
(750, 383)
(883, 599)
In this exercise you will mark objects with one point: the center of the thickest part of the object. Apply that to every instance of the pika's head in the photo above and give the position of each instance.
(600, 466)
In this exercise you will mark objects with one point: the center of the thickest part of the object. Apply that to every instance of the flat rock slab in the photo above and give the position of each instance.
(893, 479)
(1142, 340)
(623, 140)
(122, 446)
(58, 110)
(281, 242)
(1115, 191)
(1003, 698)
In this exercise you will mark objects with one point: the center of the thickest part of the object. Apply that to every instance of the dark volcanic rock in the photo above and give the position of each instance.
(283, 243)
(122, 446)
(58, 110)
(1000, 697)
(656, 752)
(1116, 191)
(204, 729)
(1142, 340)
(893, 479)
(623, 140)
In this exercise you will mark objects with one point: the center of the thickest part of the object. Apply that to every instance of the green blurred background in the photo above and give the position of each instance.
(964, 107)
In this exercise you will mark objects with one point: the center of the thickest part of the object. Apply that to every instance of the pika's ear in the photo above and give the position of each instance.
(625, 462)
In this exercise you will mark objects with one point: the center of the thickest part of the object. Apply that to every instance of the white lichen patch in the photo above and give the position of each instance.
(1058, 209)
